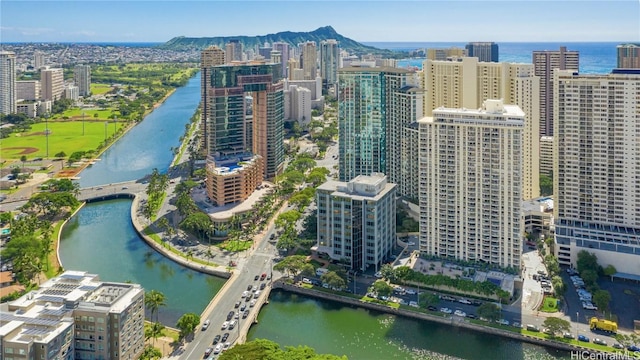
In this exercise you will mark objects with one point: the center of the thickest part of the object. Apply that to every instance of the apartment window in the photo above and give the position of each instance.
(8, 350)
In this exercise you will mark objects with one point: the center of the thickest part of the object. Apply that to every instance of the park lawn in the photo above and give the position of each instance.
(99, 89)
(89, 114)
(235, 246)
(549, 305)
(64, 136)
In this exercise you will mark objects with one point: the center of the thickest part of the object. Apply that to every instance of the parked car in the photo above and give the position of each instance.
(446, 310)
(617, 346)
(205, 324)
(532, 328)
(413, 304)
(306, 281)
(567, 335)
(583, 338)
(516, 325)
(464, 301)
(410, 291)
(471, 316)
(378, 275)
(633, 348)
(599, 341)
(432, 308)
(503, 322)
(460, 313)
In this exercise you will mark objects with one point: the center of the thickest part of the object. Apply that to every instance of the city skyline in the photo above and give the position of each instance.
(144, 21)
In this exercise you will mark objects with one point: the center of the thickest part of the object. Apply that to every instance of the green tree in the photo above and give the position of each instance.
(307, 270)
(556, 325)
(291, 264)
(558, 285)
(381, 288)
(153, 300)
(23, 158)
(589, 276)
(150, 352)
(601, 299)
(546, 185)
(428, 299)
(334, 280)
(489, 311)
(154, 331)
(586, 261)
(269, 350)
(610, 270)
(388, 272)
(187, 324)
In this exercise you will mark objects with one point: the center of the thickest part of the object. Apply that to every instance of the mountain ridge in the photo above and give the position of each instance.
(290, 37)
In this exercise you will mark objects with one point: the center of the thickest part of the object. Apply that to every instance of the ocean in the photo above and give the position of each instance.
(595, 57)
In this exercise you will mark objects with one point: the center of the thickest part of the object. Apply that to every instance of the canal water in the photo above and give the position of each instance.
(100, 239)
(148, 145)
(329, 327)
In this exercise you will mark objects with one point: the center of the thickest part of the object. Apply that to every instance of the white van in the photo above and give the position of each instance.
(321, 271)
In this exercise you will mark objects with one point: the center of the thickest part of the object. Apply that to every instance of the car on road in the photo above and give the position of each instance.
(249, 287)
(262, 286)
(205, 325)
(599, 341)
(230, 315)
(236, 315)
(225, 325)
(208, 352)
(226, 345)
(236, 305)
(245, 314)
(460, 313)
(252, 303)
(232, 324)
(255, 278)
(583, 338)
(263, 276)
(243, 307)
(218, 349)
(446, 310)
(216, 339)
(225, 336)
(245, 294)
(256, 294)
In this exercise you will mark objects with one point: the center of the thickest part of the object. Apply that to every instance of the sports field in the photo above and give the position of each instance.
(63, 136)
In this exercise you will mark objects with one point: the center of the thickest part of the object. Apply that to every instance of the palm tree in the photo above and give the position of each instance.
(153, 300)
(154, 331)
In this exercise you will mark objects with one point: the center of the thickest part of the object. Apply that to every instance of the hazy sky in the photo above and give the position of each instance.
(419, 20)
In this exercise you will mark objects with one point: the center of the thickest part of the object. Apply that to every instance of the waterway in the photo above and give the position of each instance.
(148, 145)
(100, 239)
(328, 327)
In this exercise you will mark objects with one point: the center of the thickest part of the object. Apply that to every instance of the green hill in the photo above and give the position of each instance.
(292, 38)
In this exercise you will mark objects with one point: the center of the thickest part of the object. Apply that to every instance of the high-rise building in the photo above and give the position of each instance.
(410, 172)
(283, 47)
(484, 51)
(7, 82)
(52, 83)
(467, 83)
(226, 142)
(233, 51)
(357, 220)
(275, 56)
(75, 316)
(309, 59)
(443, 54)
(470, 165)
(546, 155)
(209, 57)
(28, 90)
(265, 52)
(82, 79)
(374, 104)
(298, 104)
(596, 183)
(38, 60)
(628, 56)
(545, 62)
(329, 61)
(71, 92)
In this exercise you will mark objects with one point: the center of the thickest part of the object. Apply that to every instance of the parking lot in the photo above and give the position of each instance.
(625, 300)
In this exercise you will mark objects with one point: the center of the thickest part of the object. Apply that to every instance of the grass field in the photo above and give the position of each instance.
(64, 136)
(89, 114)
(99, 89)
(549, 305)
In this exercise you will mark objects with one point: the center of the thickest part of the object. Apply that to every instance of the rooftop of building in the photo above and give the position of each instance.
(230, 165)
(541, 204)
(629, 45)
(226, 212)
(362, 187)
(490, 107)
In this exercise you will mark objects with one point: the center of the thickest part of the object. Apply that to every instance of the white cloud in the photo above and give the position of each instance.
(26, 31)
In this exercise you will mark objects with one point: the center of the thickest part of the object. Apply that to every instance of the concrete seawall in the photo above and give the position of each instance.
(428, 317)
